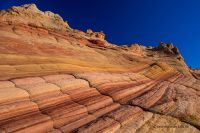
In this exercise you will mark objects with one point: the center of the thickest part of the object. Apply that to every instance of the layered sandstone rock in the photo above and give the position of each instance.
(56, 79)
(196, 73)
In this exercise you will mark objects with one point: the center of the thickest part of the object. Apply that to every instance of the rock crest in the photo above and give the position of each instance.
(168, 48)
(29, 14)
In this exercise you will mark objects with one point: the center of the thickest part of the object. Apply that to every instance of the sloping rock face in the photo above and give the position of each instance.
(196, 73)
(57, 79)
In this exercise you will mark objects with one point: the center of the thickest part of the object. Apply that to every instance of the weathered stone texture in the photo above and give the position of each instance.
(54, 79)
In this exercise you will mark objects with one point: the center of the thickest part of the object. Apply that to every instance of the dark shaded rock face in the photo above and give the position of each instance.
(55, 79)
(196, 73)
(167, 49)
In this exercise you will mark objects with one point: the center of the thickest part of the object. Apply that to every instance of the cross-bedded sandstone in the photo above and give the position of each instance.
(55, 79)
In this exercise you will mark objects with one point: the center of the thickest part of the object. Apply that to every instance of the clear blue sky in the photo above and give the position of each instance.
(133, 21)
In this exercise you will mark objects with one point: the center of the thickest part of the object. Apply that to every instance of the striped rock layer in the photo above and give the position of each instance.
(55, 79)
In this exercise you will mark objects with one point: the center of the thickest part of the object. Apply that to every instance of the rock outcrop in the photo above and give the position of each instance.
(100, 35)
(55, 79)
(168, 48)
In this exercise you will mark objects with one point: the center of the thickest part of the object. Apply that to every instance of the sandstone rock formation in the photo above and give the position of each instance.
(196, 73)
(100, 35)
(55, 79)
(167, 48)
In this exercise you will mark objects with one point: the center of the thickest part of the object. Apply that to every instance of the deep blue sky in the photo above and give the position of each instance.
(133, 21)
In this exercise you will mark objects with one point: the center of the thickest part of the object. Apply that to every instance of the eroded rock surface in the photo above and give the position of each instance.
(57, 79)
